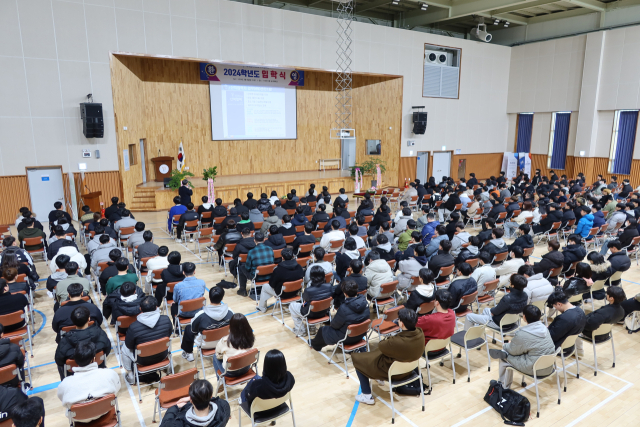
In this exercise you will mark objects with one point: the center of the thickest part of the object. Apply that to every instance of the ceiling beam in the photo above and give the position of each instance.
(622, 3)
(559, 15)
(523, 6)
(465, 9)
(368, 6)
(512, 19)
(589, 4)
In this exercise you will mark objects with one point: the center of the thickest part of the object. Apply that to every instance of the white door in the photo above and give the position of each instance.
(46, 188)
(348, 153)
(441, 165)
(422, 166)
(142, 162)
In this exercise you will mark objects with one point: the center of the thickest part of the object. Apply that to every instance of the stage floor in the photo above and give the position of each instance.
(226, 180)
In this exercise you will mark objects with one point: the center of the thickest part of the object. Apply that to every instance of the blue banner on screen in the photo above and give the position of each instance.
(239, 74)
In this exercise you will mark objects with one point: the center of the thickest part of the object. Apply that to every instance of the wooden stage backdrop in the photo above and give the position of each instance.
(163, 101)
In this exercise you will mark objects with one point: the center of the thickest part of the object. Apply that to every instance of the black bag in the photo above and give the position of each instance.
(226, 285)
(513, 407)
(411, 389)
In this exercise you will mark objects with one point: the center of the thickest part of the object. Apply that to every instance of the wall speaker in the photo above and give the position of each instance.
(419, 123)
(92, 122)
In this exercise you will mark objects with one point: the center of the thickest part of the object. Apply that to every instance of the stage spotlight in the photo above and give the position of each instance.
(480, 32)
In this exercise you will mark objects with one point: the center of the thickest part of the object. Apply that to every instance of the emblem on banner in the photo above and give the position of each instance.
(211, 70)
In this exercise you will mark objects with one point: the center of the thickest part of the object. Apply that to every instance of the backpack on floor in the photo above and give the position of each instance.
(632, 322)
(226, 285)
(513, 407)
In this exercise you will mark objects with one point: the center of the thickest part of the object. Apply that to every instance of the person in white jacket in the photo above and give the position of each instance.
(511, 226)
(377, 273)
(511, 266)
(159, 262)
(484, 273)
(334, 234)
(461, 237)
(410, 268)
(73, 253)
(538, 288)
(88, 382)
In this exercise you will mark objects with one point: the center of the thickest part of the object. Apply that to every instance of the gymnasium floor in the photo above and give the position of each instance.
(323, 396)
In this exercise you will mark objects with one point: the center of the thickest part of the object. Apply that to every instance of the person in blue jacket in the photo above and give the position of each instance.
(178, 209)
(586, 223)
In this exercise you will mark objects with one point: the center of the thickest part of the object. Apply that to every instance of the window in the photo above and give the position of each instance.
(133, 158)
(623, 141)
(557, 156)
(523, 132)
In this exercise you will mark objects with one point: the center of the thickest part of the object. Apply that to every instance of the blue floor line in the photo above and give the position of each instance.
(354, 410)
(44, 322)
(43, 388)
(44, 364)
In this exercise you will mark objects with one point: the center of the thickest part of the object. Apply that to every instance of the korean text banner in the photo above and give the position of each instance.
(246, 75)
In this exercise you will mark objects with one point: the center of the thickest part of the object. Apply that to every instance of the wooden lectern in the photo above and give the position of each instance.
(163, 167)
(92, 200)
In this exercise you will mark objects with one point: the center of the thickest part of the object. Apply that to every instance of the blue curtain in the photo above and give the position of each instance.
(525, 123)
(626, 140)
(560, 139)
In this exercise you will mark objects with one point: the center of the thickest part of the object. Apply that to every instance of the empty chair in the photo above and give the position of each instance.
(569, 343)
(352, 331)
(473, 338)
(385, 289)
(387, 325)
(437, 351)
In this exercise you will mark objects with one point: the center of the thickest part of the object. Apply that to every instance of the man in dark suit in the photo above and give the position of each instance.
(185, 193)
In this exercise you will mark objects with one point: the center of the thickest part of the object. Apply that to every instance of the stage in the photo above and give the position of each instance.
(152, 195)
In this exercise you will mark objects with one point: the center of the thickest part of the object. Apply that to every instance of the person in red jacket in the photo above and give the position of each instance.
(440, 324)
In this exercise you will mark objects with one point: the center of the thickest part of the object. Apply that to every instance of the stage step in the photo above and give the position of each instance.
(144, 199)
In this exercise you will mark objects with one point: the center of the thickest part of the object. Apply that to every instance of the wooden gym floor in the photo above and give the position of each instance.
(323, 396)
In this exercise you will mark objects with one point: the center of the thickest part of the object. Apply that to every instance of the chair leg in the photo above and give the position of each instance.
(428, 375)
(344, 358)
(564, 371)
(577, 364)
(453, 366)
(535, 382)
(135, 370)
(155, 408)
(613, 349)
(393, 408)
(421, 388)
(595, 356)
(466, 355)
(488, 356)
(558, 383)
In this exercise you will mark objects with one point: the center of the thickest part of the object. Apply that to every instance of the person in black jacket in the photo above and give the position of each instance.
(10, 303)
(229, 235)
(552, 259)
(425, 292)
(207, 207)
(524, 239)
(384, 248)
(381, 216)
(80, 316)
(263, 204)
(124, 301)
(55, 245)
(611, 314)
(316, 291)
(189, 215)
(275, 240)
(619, 260)
(512, 303)
(62, 316)
(250, 203)
(320, 215)
(452, 224)
(355, 267)
(553, 215)
(53, 215)
(200, 409)
(275, 382)
(442, 259)
(573, 252)
(354, 310)
(10, 354)
(495, 211)
(219, 210)
(185, 193)
(306, 239)
(462, 286)
(234, 215)
(242, 247)
(213, 316)
(288, 270)
(173, 273)
(343, 259)
(449, 206)
(150, 326)
(570, 321)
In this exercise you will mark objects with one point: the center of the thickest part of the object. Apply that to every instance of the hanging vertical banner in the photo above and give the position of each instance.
(181, 158)
(510, 165)
(242, 74)
(525, 163)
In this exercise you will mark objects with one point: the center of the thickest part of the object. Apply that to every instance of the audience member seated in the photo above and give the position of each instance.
(318, 259)
(344, 258)
(10, 260)
(570, 320)
(270, 220)
(256, 216)
(610, 313)
(124, 301)
(149, 326)
(177, 209)
(275, 240)
(510, 266)
(381, 216)
(299, 219)
(243, 246)
(10, 397)
(573, 252)
(354, 310)
(213, 316)
(280, 212)
(62, 316)
(30, 231)
(258, 256)
(523, 238)
(206, 207)
(10, 274)
(104, 222)
(440, 324)
(27, 413)
(384, 248)
(111, 270)
(189, 215)
(424, 292)
(80, 317)
(88, 381)
(136, 238)
(378, 272)
(122, 265)
(553, 215)
(416, 240)
(200, 409)
(26, 214)
(305, 239)
(434, 245)
(190, 288)
(238, 208)
(125, 222)
(619, 260)
(472, 251)
(429, 229)
(264, 203)
(407, 346)
(172, 273)
(316, 291)
(442, 259)
(57, 241)
(462, 285)
(496, 245)
(355, 267)
(409, 268)
(384, 230)
(245, 223)
(334, 234)
(515, 223)
(229, 235)
(10, 354)
(538, 288)
(240, 340)
(71, 268)
(57, 212)
(159, 262)
(401, 222)
(101, 254)
(114, 207)
(512, 303)
(550, 260)
(529, 343)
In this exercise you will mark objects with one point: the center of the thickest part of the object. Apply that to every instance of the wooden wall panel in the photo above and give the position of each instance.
(407, 169)
(14, 192)
(164, 102)
(539, 161)
(107, 182)
(483, 165)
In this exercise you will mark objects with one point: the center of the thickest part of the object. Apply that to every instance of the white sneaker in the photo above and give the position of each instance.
(191, 240)
(365, 398)
(178, 240)
(188, 356)
(380, 383)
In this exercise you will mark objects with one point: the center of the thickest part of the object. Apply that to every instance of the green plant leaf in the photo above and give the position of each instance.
(177, 177)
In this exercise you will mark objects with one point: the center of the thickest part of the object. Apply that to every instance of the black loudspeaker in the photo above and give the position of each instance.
(419, 123)
(92, 123)
(166, 182)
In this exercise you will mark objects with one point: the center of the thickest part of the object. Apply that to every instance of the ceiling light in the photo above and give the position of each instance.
(394, 2)
(423, 6)
(506, 24)
(496, 22)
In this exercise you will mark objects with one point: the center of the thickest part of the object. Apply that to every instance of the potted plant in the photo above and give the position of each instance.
(368, 167)
(210, 173)
(177, 177)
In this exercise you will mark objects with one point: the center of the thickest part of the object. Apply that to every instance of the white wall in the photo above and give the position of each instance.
(53, 53)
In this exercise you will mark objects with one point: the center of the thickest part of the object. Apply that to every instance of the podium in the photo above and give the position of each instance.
(162, 167)
(92, 200)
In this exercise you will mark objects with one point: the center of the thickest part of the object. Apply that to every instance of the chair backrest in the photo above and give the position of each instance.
(317, 233)
(569, 341)
(299, 228)
(575, 298)
(289, 239)
(229, 247)
(303, 261)
(510, 318)
(473, 262)
(388, 287)
(124, 231)
(328, 277)
(154, 347)
(433, 345)
(634, 242)
(392, 313)
(125, 321)
(292, 286)
(500, 257)
(545, 361)
(21, 278)
(171, 285)
(12, 318)
(192, 304)
(102, 265)
(555, 272)
(243, 257)
(598, 285)
(468, 299)
(306, 248)
(261, 405)
(277, 253)
(177, 385)
(329, 256)
(258, 225)
(426, 307)
(322, 305)
(193, 223)
(213, 335)
(157, 273)
(527, 251)
(243, 360)
(205, 232)
(604, 329)
(206, 215)
(556, 225)
(540, 304)
(359, 328)
(8, 373)
(446, 271)
(528, 220)
(399, 368)
(265, 269)
(33, 241)
(415, 281)
(72, 327)
(474, 332)
(616, 276)
(84, 298)
(502, 215)
(93, 408)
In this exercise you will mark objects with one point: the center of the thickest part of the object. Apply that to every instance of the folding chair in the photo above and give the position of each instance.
(262, 270)
(385, 288)
(25, 331)
(122, 322)
(148, 349)
(425, 308)
(9, 373)
(269, 409)
(386, 325)
(227, 255)
(156, 274)
(499, 259)
(554, 272)
(508, 324)
(206, 215)
(124, 234)
(105, 408)
(205, 236)
(473, 262)
(176, 220)
(303, 262)
(289, 239)
(476, 217)
(391, 262)
(317, 307)
(605, 329)
(171, 389)
(413, 204)
(209, 337)
(474, 337)
(328, 278)
(69, 364)
(567, 230)
(553, 232)
(543, 362)
(400, 368)
(186, 306)
(598, 285)
(569, 343)
(465, 300)
(248, 359)
(169, 303)
(305, 249)
(287, 287)
(433, 346)
(336, 245)
(36, 241)
(352, 331)
(635, 248)
(444, 272)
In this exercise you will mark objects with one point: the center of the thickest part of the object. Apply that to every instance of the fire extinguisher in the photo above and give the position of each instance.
(102, 209)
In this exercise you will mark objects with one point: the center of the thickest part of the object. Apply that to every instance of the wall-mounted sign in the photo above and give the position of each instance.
(247, 75)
